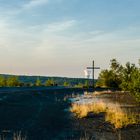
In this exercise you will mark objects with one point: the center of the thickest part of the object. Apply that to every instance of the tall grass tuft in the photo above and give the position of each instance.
(19, 136)
(113, 113)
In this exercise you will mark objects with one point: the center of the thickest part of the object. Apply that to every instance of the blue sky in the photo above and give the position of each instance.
(62, 37)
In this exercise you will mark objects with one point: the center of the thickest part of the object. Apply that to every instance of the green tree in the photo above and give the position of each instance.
(127, 76)
(111, 78)
(2, 81)
(131, 80)
(106, 79)
(135, 86)
(115, 66)
(66, 84)
(38, 82)
(50, 82)
(12, 81)
(86, 84)
(79, 85)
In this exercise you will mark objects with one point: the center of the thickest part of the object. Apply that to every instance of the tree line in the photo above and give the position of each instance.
(13, 81)
(31, 80)
(125, 77)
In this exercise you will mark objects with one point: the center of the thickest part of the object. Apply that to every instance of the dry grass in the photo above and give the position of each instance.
(81, 110)
(19, 136)
(15, 135)
(121, 118)
(113, 114)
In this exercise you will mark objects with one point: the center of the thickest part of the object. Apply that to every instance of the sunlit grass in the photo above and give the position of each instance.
(82, 110)
(121, 118)
(113, 113)
(14, 136)
(19, 136)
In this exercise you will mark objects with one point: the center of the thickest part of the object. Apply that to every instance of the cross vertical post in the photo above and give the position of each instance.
(93, 68)
(93, 75)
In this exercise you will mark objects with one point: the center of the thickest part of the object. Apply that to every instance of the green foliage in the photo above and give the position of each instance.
(125, 77)
(26, 80)
(50, 82)
(111, 78)
(86, 84)
(128, 76)
(131, 80)
(66, 84)
(12, 81)
(79, 85)
(2, 81)
(38, 82)
(105, 78)
(115, 66)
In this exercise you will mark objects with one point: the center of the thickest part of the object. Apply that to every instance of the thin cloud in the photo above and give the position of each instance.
(61, 26)
(34, 3)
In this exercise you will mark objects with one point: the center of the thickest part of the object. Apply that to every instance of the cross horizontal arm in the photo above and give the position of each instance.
(96, 67)
(93, 67)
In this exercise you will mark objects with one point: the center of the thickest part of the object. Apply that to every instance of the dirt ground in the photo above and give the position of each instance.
(44, 115)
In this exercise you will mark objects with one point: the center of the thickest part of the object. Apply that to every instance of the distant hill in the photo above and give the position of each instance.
(58, 80)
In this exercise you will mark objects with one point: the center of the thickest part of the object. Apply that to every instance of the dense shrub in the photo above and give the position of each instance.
(125, 77)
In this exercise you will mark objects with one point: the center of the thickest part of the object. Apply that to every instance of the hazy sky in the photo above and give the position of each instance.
(62, 37)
